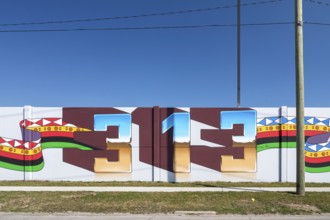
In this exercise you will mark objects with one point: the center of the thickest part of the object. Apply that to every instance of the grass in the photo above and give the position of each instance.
(160, 202)
(125, 202)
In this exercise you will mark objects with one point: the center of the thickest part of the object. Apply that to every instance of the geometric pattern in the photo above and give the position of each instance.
(40, 134)
(6, 142)
(318, 147)
(292, 120)
(280, 132)
(48, 124)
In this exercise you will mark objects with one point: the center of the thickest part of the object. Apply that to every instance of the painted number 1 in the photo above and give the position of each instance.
(180, 121)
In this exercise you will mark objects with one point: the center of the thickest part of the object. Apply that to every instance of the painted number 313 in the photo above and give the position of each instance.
(180, 122)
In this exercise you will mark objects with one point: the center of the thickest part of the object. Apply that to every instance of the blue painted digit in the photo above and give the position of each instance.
(180, 121)
(246, 117)
(123, 121)
(248, 141)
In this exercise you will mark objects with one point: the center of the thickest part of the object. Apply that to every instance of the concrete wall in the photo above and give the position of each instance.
(161, 144)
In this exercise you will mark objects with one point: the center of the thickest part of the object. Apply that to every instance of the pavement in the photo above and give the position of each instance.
(155, 189)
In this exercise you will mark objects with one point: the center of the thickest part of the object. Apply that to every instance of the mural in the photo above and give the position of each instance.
(38, 135)
(280, 132)
(160, 144)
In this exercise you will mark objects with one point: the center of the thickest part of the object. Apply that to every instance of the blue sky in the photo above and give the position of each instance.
(168, 67)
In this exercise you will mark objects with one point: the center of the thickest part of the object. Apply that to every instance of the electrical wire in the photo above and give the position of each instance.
(139, 16)
(317, 23)
(318, 2)
(145, 28)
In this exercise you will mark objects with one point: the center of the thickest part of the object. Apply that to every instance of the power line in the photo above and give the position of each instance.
(145, 28)
(318, 2)
(317, 23)
(267, 23)
(139, 16)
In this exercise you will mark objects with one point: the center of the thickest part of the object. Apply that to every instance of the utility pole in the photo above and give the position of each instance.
(238, 53)
(300, 182)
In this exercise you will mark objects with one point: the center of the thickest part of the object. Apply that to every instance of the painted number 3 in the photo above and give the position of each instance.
(247, 141)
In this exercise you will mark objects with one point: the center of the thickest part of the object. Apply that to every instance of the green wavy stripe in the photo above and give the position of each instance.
(48, 145)
(317, 169)
(262, 147)
(22, 168)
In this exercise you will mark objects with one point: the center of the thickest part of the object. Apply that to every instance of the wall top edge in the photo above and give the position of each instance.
(223, 107)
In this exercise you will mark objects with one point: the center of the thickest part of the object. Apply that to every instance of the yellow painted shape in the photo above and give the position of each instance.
(20, 151)
(287, 127)
(181, 158)
(319, 154)
(124, 163)
(56, 129)
(248, 164)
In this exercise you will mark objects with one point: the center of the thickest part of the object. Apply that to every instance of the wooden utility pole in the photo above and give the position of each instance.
(238, 53)
(300, 182)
